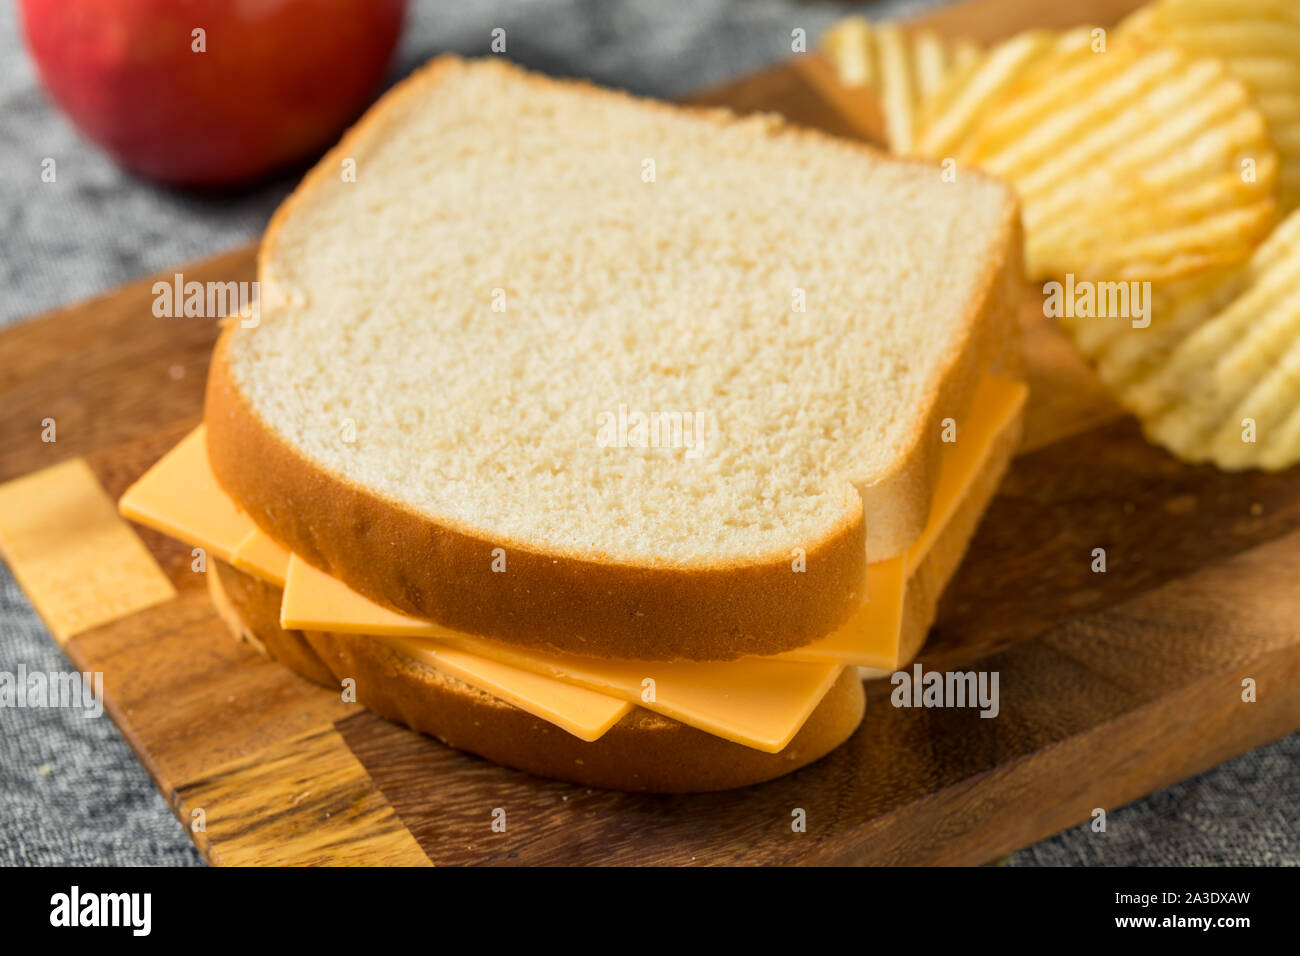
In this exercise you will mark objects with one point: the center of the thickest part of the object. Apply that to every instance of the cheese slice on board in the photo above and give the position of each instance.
(871, 637)
(180, 497)
(758, 702)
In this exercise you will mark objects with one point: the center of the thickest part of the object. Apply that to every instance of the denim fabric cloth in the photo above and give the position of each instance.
(71, 792)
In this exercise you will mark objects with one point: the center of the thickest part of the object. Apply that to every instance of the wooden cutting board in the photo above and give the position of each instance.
(1112, 684)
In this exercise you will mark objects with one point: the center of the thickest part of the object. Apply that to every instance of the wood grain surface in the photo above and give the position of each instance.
(1112, 685)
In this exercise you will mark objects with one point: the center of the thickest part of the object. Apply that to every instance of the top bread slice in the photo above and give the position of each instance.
(468, 302)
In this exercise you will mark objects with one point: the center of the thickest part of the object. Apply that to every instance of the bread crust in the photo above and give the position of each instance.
(563, 601)
(643, 751)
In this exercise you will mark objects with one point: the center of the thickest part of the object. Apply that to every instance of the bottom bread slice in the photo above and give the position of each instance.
(644, 750)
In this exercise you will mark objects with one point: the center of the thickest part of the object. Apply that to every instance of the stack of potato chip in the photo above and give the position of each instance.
(1157, 152)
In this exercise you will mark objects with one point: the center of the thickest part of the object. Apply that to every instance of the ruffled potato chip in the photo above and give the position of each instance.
(1216, 375)
(902, 67)
(1260, 42)
(1132, 161)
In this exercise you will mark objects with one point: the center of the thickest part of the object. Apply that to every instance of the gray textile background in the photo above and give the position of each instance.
(71, 792)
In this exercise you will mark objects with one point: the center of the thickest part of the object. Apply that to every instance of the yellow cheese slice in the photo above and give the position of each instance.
(180, 497)
(758, 702)
(871, 637)
(79, 562)
(314, 601)
(583, 713)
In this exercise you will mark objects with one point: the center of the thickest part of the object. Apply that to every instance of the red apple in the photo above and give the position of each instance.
(275, 82)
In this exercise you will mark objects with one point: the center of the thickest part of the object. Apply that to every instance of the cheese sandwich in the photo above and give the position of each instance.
(603, 438)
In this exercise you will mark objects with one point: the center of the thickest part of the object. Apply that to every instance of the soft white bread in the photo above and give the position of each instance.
(644, 751)
(385, 423)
